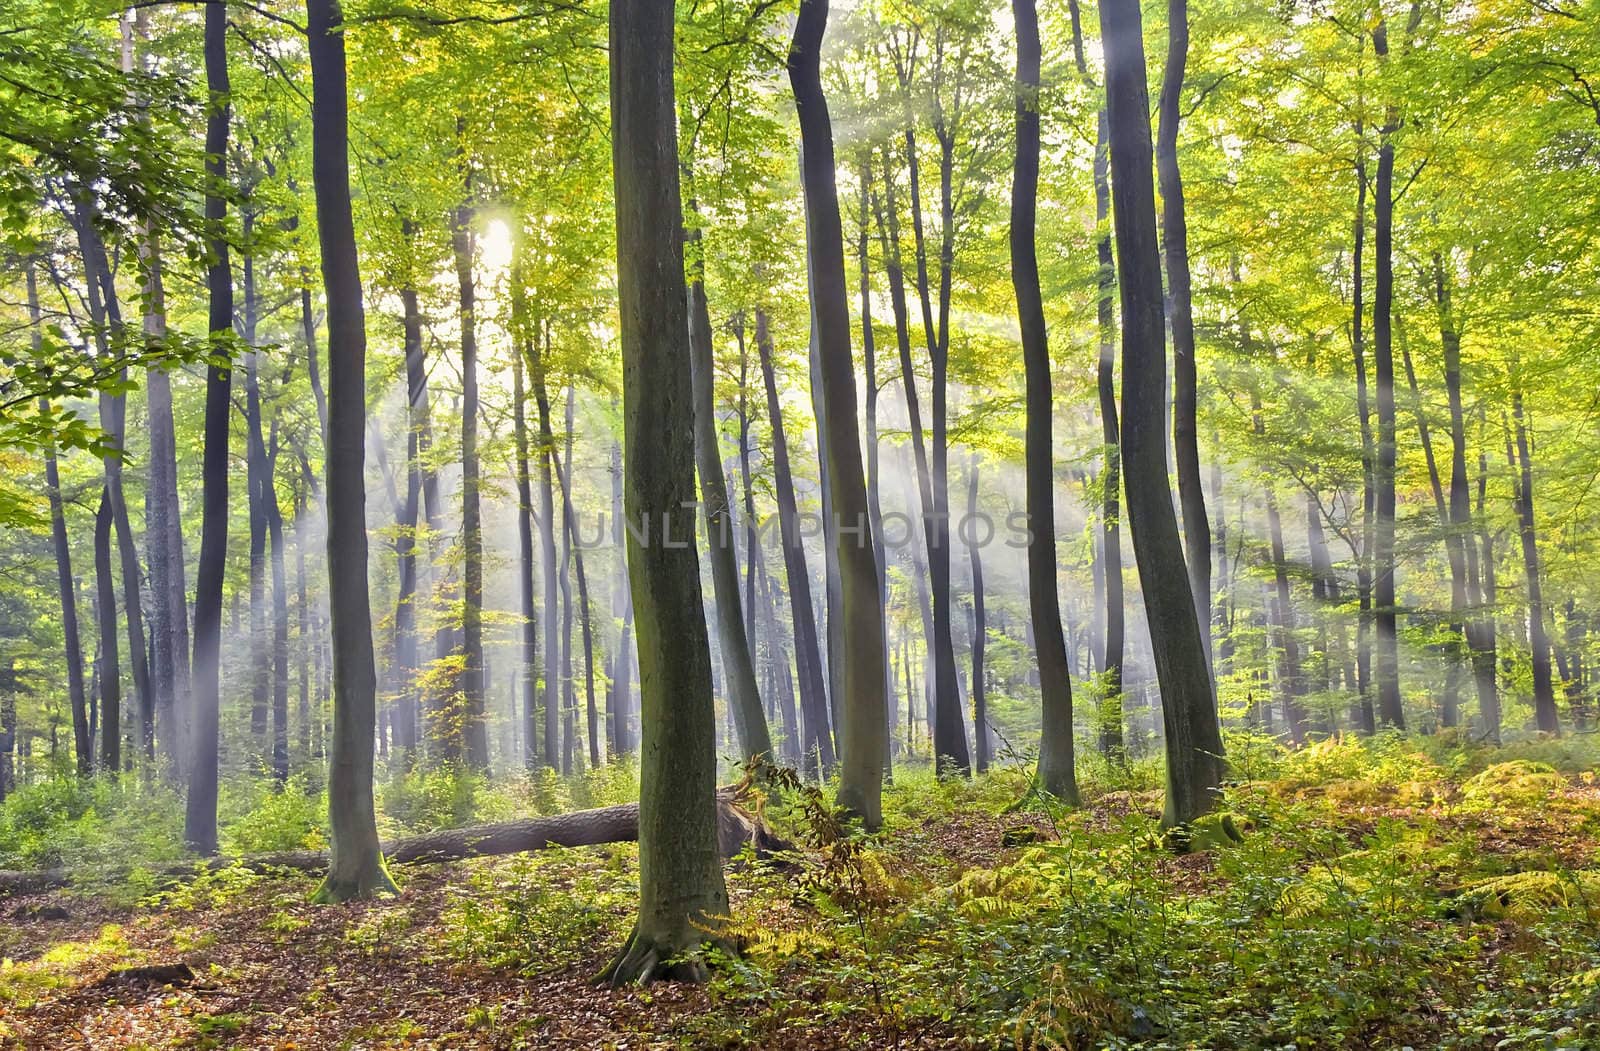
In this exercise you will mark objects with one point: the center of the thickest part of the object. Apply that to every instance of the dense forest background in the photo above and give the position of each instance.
(1032, 297)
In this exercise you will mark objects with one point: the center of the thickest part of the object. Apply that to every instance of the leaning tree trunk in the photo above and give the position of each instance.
(681, 890)
(1175, 242)
(738, 666)
(1057, 761)
(864, 744)
(1195, 764)
(355, 867)
(200, 812)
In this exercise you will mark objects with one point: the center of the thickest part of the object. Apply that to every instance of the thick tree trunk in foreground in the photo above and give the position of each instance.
(864, 737)
(1195, 765)
(200, 813)
(681, 890)
(1175, 245)
(356, 868)
(1057, 759)
(869, 344)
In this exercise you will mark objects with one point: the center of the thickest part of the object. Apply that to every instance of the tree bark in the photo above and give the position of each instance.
(1175, 242)
(980, 628)
(864, 744)
(681, 889)
(200, 812)
(527, 678)
(1390, 710)
(474, 728)
(1057, 758)
(356, 868)
(813, 696)
(1195, 763)
(733, 642)
(1544, 698)
(547, 540)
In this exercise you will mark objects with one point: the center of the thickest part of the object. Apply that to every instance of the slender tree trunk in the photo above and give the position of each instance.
(1390, 710)
(681, 890)
(1364, 622)
(1544, 698)
(255, 486)
(738, 667)
(528, 677)
(1175, 242)
(570, 520)
(813, 697)
(1281, 610)
(355, 865)
(406, 655)
(547, 537)
(980, 629)
(1057, 759)
(1195, 763)
(475, 729)
(200, 814)
(869, 344)
(1479, 624)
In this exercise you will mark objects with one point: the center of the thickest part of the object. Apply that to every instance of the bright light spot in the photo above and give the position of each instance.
(494, 249)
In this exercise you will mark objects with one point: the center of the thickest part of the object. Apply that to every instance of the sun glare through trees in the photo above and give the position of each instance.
(877, 524)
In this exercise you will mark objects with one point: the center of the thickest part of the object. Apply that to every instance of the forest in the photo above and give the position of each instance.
(799, 524)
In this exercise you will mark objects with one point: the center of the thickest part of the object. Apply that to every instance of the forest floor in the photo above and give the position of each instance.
(1374, 896)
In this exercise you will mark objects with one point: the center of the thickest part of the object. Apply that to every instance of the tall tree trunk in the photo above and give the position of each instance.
(200, 812)
(66, 582)
(864, 745)
(1195, 761)
(869, 345)
(1175, 242)
(355, 863)
(1479, 623)
(256, 501)
(475, 727)
(980, 628)
(813, 697)
(547, 540)
(1544, 698)
(1057, 759)
(733, 642)
(280, 615)
(1364, 563)
(1390, 710)
(570, 520)
(681, 890)
(528, 677)
(1290, 677)
(622, 681)
(164, 543)
(406, 654)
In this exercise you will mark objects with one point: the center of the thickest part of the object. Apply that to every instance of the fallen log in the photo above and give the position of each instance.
(736, 828)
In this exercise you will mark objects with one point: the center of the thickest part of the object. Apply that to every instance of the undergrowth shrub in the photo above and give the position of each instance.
(290, 818)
